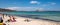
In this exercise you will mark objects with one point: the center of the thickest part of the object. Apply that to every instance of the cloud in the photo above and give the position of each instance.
(53, 3)
(49, 4)
(12, 8)
(45, 5)
(25, 8)
(21, 8)
(34, 2)
(41, 9)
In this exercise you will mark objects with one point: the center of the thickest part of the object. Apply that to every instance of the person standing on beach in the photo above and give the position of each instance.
(1, 20)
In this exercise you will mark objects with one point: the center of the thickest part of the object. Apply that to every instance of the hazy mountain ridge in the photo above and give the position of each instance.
(6, 10)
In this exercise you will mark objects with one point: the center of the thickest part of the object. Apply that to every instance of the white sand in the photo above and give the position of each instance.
(20, 21)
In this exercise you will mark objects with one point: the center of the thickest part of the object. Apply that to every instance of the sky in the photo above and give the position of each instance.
(31, 5)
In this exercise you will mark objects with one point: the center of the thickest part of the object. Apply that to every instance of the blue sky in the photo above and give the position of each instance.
(31, 5)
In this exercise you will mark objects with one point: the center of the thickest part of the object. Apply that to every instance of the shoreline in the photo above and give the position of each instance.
(20, 21)
(33, 18)
(39, 21)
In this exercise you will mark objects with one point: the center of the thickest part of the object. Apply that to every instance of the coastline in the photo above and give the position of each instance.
(20, 21)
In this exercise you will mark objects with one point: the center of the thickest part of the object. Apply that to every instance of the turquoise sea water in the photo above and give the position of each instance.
(51, 15)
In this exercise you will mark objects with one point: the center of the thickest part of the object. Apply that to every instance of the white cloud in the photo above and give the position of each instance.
(21, 8)
(12, 8)
(45, 5)
(25, 8)
(53, 3)
(49, 4)
(34, 2)
(41, 9)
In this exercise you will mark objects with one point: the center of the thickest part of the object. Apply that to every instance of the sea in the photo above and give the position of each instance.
(44, 15)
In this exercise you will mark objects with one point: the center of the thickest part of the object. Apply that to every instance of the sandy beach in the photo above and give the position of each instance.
(20, 21)
(29, 12)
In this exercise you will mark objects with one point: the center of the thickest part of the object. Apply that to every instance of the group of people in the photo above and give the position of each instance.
(3, 17)
(11, 19)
